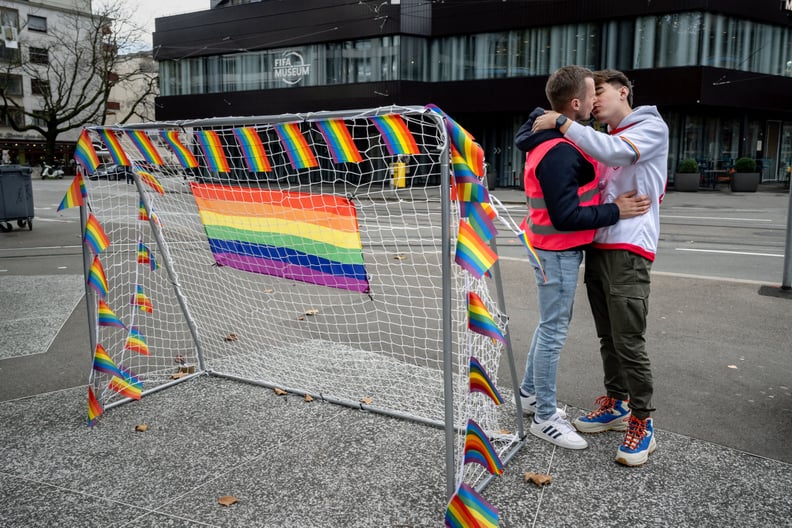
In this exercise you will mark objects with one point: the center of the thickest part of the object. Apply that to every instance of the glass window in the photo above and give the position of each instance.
(11, 84)
(9, 115)
(40, 87)
(9, 17)
(37, 23)
(39, 55)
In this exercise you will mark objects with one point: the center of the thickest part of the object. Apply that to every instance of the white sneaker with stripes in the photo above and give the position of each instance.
(558, 431)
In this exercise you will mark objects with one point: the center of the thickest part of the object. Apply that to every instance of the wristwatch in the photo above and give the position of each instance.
(560, 120)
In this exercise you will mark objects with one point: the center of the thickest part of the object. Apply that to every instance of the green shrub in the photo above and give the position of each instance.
(688, 166)
(745, 165)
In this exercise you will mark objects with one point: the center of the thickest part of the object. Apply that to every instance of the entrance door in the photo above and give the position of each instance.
(770, 162)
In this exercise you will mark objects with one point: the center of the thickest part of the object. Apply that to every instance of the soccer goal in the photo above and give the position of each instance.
(327, 255)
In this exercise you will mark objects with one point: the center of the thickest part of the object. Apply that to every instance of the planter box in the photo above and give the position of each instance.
(686, 182)
(744, 181)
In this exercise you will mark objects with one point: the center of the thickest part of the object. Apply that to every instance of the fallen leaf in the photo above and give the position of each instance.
(187, 369)
(732, 366)
(504, 432)
(301, 318)
(308, 398)
(312, 311)
(367, 400)
(178, 375)
(231, 337)
(399, 257)
(269, 290)
(280, 392)
(141, 428)
(540, 479)
(227, 500)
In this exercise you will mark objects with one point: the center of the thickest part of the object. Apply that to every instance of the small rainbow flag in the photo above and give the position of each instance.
(481, 382)
(97, 278)
(76, 194)
(398, 138)
(125, 388)
(468, 509)
(103, 363)
(114, 146)
(480, 320)
(107, 317)
(252, 149)
(463, 142)
(480, 216)
(85, 154)
(523, 236)
(185, 157)
(149, 179)
(143, 214)
(479, 450)
(141, 301)
(95, 236)
(144, 256)
(339, 141)
(212, 148)
(296, 146)
(143, 143)
(94, 408)
(470, 189)
(128, 376)
(472, 253)
(136, 342)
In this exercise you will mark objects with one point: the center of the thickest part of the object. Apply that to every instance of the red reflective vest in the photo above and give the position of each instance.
(538, 227)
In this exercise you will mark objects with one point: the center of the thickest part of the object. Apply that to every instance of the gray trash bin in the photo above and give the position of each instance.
(16, 197)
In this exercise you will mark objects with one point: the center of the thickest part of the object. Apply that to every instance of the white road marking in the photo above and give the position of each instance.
(725, 252)
(718, 218)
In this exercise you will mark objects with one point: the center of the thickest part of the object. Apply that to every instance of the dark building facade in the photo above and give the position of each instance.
(719, 71)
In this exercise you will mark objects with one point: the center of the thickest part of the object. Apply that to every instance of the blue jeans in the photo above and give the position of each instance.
(555, 298)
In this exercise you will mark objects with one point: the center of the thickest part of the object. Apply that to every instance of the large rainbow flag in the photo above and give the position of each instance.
(300, 236)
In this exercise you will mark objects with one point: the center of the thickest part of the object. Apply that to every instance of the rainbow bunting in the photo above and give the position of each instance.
(107, 317)
(523, 236)
(76, 194)
(252, 149)
(481, 382)
(339, 141)
(480, 320)
(97, 278)
(125, 388)
(212, 148)
(468, 509)
(114, 146)
(140, 300)
(85, 154)
(480, 216)
(129, 377)
(472, 253)
(103, 363)
(185, 157)
(136, 342)
(307, 237)
(470, 189)
(143, 214)
(296, 146)
(398, 138)
(95, 236)
(463, 141)
(94, 408)
(143, 143)
(149, 179)
(479, 450)
(144, 256)
(460, 164)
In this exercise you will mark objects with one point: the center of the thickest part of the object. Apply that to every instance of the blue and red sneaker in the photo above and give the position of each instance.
(638, 443)
(612, 415)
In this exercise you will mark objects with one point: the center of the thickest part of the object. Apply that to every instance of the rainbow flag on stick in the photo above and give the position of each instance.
(103, 363)
(472, 253)
(149, 179)
(212, 148)
(136, 342)
(125, 388)
(113, 145)
(95, 236)
(296, 146)
(143, 214)
(97, 278)
(183, 154)
(480, 321)
(85, 154)
(76, 194)
(144, 256)
(140, 300)
(468, 509)
(252, 149)
(523, 236)
(339, 141)
(479, 450)
(107, 317)
(481, 382)
(397, 137)
(307, 237)
(143, 143)
(463, 142)
(94, 408)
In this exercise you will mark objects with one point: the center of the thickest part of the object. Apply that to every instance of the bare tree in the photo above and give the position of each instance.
(73, 67)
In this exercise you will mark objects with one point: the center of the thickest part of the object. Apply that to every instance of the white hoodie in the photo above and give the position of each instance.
(636, 154)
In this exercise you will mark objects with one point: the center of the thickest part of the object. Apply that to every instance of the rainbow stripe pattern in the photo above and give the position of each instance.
(299, 236)
(463, 142)
(113, 145)
(480, 321)
(125, 388)
(149, 179)
(468, 509)
(481, 382)
(523, 236)
(182, 153)
(397, 137)
(97, 278)
(339, 141)
(95, 236)
(480, 217)
(297, 149)
(85, 154)
(94, 408)
(144, 256)
(479, 450)
(143, 143)
(140, 300)
(212, 148)
(103, 363)
(143, 214)
(107, 317)
(136, 342)
(252, 149)
(76, 194)
(472, 253)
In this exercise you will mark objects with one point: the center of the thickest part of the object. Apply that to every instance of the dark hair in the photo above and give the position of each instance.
(614, 78)
(565, 84)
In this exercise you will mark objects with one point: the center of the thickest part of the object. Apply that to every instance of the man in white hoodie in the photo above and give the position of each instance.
(620, 259)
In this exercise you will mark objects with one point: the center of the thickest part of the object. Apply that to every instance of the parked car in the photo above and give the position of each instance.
(111, 171)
